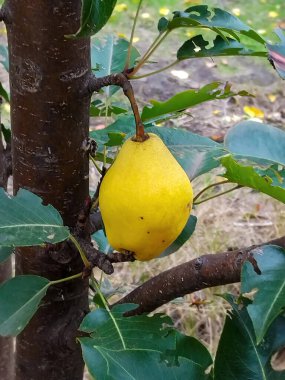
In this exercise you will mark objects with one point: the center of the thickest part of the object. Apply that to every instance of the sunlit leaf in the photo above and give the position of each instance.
(121, 7)
(186, 99)
(215, 19)
(253, 112)
(164, 11)
(248, 176)
(198, 47)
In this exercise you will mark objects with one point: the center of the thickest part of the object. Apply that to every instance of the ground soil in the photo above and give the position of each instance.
(256, 76)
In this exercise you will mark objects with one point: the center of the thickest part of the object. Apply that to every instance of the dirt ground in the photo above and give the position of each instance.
(215, 117)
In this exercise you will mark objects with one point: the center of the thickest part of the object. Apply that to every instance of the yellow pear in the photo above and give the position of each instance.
(145, 198)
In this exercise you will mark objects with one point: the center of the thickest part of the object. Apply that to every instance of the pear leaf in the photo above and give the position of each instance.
(269, 287)
(19, 300)
(94, 15)
(25, 221)
(117, 349)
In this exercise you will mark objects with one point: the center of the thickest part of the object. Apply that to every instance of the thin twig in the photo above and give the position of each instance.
(132, 37)
(218, 195)
(121, 80)
(209, 187)
(155, 72)
(148, 53)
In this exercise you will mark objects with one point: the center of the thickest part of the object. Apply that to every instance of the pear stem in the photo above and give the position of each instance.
(129, 92)
(121, 80)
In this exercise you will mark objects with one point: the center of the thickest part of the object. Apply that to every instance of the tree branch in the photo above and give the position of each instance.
(204, 272)
(121, 80)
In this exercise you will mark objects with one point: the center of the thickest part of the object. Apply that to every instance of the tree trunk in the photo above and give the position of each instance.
(50, 119)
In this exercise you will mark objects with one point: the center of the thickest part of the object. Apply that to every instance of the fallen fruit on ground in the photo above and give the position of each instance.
(145, 198)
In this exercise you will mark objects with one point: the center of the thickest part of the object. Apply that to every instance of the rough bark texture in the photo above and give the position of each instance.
(49, 114)
(204, 272)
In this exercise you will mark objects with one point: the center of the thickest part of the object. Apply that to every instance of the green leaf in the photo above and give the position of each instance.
(248, 176)
(5, 252)
(124, 125)
(191, 348)
(94, 15)
(215, 19)
(259, 142)
(109, 56)
(196, 154)
(276, 173)
(102, 242)
(25, 221)
(220, 48)
(183, 237)
(238, 357)
(101, 158)
(117, 349)
(3, 93)
(19, 300)
(6, 132)
(99, 108)
(186, 99)
(269, 287)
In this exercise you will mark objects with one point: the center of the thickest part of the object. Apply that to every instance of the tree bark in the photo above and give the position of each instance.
(204, 272)
(49, 74)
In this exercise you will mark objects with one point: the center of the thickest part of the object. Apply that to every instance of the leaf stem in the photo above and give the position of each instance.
(84, 259)
(218, 195)
(156, 71)
(73, 277)
(95, 204)
(209, 187)
(106, 305)
(149, 52)
(95, 164)
(132, 37)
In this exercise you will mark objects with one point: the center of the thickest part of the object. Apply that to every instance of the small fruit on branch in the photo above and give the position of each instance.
(145, 198)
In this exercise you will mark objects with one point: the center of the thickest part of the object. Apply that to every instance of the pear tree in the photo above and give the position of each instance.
(58, 232)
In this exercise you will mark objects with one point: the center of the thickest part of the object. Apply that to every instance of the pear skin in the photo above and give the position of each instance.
(145, 198)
